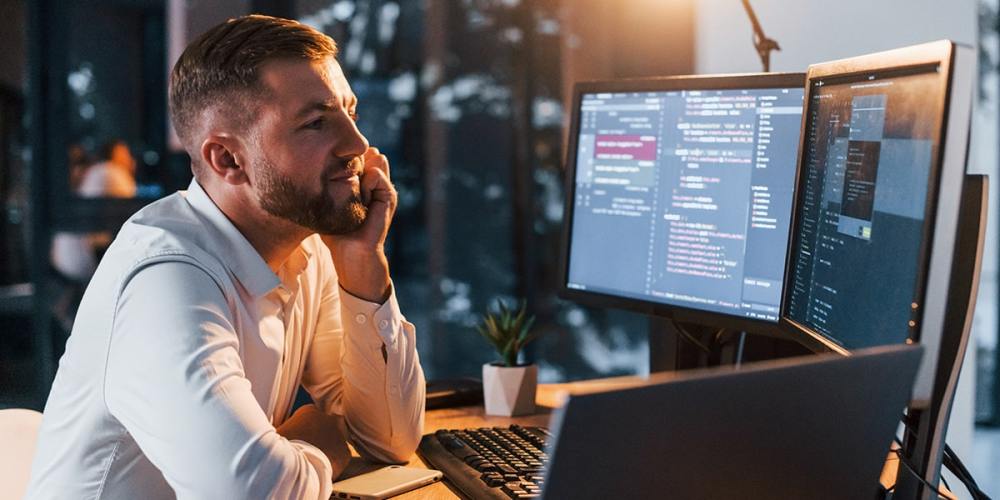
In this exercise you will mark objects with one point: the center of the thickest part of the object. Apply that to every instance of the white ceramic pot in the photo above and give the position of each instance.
(509, 391)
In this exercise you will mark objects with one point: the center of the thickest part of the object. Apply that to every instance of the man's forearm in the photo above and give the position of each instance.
(363, 272)
(326, 432)
(366, 280)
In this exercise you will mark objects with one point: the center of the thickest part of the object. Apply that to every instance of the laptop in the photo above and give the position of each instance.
(814, 427)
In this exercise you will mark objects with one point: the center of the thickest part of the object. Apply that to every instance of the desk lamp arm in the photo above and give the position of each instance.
(762, 43)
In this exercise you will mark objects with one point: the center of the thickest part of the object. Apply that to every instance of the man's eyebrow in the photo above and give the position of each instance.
(315, 106)
(323, 106)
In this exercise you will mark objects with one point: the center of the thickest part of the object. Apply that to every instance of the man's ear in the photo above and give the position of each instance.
(223, 154)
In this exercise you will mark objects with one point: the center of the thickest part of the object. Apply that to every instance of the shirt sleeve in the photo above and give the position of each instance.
(176, 382)
(363, 364)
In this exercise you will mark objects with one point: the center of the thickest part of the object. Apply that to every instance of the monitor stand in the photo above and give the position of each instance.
(924, 441)
(670, 351)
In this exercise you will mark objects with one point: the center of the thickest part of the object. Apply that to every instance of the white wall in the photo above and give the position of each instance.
(811, 31)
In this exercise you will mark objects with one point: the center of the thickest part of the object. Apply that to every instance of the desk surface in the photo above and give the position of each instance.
(549, 397)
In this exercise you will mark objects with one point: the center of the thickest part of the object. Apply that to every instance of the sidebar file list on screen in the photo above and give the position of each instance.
(869, 148)
(684, 197)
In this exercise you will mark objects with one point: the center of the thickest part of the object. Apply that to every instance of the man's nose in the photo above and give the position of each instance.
(350, 141)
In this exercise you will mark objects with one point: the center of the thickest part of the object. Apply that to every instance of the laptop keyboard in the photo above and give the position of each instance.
(490, 462)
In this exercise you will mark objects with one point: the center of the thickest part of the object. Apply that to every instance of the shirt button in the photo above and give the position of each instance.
(383, 324)
(360, 319)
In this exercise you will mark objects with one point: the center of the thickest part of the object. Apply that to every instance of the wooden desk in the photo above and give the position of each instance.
(549, 397)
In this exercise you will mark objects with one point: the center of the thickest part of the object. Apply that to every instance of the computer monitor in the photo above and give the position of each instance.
(679, 194)
(882, 167)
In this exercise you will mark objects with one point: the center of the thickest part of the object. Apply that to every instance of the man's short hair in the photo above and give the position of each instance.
(219, 70)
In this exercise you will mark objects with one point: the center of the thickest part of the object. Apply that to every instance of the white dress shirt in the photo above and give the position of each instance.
(187, 352)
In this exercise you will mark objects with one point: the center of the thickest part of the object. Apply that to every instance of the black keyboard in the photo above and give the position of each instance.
(490, 462)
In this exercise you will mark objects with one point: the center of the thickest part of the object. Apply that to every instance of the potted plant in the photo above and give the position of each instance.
(508, 387)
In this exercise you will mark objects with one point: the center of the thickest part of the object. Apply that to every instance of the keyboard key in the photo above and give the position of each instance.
(486, 467)
(513, 489)
(453, 443)
(506, 469)
(493, 479)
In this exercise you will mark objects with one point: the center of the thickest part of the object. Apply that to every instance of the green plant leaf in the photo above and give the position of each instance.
(525, 331)
(508, 330)
(510, 352)
(491, 327)
(486, 335)
(517, 322)
(502, 307)
(490, 333)
(531, 337)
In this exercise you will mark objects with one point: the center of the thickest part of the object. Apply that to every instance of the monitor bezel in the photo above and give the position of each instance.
(659, 84)
(915, 58)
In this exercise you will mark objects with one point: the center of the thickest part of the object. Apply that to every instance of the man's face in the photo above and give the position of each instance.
(306, 157)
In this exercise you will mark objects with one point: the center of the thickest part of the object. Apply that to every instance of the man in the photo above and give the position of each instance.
(214, 304)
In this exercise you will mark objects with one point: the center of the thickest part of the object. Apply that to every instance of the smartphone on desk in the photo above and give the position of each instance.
(384, 483)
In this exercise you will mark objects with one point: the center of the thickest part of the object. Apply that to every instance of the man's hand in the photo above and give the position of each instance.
(326, 432)
(359, 256)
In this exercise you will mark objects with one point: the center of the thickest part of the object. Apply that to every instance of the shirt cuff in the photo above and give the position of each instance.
(384, 318)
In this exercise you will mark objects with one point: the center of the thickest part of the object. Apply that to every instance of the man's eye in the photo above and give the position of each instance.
(315, 124)
(353, 114)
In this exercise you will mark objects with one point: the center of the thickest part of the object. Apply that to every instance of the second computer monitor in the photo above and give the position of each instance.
(882, 171)
(679, 195)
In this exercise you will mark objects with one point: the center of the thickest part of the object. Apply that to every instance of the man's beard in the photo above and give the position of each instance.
(319, 213)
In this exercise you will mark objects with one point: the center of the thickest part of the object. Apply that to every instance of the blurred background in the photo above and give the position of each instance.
(468, 98)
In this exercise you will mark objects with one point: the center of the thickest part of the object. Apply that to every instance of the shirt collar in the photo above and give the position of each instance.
(239, 255)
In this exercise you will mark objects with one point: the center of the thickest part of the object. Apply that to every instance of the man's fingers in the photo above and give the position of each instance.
(376, 184)
(377, 193)
(374, 158)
